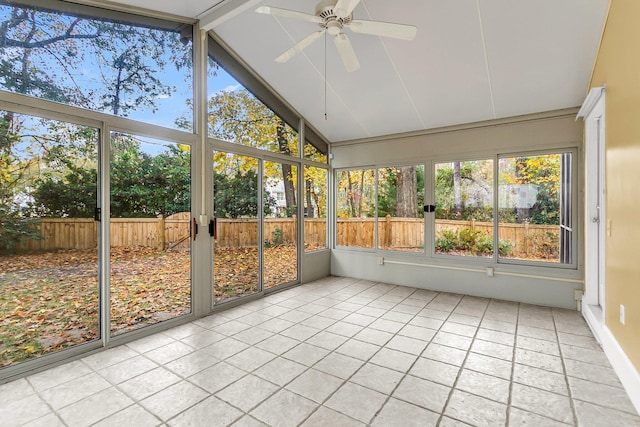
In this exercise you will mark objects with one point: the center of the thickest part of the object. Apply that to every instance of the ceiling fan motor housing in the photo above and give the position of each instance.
(330, 20)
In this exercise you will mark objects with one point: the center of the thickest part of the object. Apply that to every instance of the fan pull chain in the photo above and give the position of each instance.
(325, 76)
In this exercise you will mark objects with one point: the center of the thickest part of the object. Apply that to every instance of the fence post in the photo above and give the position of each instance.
(473, 223)
(387, 233)
(160, 230)
(526, 240)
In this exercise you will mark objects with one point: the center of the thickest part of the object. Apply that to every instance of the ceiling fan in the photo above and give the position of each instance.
(333, 16)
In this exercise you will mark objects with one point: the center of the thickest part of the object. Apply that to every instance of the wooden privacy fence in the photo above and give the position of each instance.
(173, 232)
(166, 233)
(408, 233)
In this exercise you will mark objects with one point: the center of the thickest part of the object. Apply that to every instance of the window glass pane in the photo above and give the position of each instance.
(141, 72)
(150, 231)
(400, 208)
(464, 208)
(531, 205)
(312, 153)
(355, 208)
(315, 208)
(236, 115)
(280, 226)
(49, 294)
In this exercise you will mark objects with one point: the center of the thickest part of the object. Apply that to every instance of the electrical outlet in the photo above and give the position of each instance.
(380, 260)
(622, 314)
(489, 271)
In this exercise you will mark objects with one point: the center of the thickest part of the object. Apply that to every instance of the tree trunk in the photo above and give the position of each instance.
(287, 174)
(522, 212)
(351, 196)
(457, 191)
(407, 193)
(361, 194)
(309, 201)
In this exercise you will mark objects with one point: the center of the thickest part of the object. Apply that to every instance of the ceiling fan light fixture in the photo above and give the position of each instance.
(334, 27)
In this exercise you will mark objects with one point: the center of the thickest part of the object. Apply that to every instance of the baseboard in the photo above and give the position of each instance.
(629, 376)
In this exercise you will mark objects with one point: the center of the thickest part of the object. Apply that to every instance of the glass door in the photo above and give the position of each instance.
(150, 274)
(50, 296)
(237, 214)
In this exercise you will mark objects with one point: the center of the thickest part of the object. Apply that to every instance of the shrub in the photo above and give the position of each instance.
(276, 239)
(15, 228)
(468, 240)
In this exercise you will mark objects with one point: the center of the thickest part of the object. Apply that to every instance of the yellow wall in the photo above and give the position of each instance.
(618, 66)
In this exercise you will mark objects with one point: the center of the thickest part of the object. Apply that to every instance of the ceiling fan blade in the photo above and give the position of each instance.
(384, 29)
(302, 44)
(286, 13)
(348, 55)
(343, 8)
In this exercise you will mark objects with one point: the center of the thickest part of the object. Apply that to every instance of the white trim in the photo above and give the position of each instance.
(594, 239)
(629, 376)
(483, 271)
(591, 100)
(224, 11)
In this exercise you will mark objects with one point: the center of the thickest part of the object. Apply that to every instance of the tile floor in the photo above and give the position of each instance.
(340, 352)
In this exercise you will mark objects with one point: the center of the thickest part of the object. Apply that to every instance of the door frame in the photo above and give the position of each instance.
(593, 112)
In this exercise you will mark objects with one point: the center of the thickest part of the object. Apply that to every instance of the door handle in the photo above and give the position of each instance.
(595, 219)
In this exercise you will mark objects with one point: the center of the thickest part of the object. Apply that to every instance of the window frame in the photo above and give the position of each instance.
(430, 221)
(573, 265)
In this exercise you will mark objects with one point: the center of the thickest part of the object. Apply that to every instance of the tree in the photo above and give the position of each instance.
(315, 192)
(407, 193)
(239, 117)
(236, 196)
(44, 54)
(139, 184)
(545, 173)
(14, 224)
(468, 197)
(457, 191)
(355, 193)
(400, 191)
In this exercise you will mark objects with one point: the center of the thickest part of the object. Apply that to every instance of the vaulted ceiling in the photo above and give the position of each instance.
(472, 60)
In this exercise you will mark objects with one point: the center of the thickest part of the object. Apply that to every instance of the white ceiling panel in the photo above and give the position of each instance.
(540, 53)
(444, 68)
(472, 60)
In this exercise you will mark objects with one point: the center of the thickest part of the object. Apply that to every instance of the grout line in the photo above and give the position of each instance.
(406, 372)
(464, 361)
(564, 371)
(366, 342)
(513, 366)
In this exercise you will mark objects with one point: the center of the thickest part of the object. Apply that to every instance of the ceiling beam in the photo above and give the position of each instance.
(224, 11)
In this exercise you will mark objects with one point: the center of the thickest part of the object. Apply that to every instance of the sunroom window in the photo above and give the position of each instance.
(534, 200)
